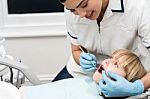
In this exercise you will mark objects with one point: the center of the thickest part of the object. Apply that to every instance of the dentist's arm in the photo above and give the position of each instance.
(76, 53)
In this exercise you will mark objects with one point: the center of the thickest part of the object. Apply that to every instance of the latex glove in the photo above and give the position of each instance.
(88, 61)
(119, 86)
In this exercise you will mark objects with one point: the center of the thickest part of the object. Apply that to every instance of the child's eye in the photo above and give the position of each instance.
(116, 65)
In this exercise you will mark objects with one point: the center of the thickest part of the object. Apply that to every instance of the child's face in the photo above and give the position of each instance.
(110, 64)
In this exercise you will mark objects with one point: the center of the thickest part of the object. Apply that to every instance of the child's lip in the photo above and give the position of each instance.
(100, 68)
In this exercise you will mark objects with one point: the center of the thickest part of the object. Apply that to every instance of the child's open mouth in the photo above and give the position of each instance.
(100, 68)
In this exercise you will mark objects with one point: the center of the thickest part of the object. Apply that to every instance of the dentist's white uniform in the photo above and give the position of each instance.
(126, 24)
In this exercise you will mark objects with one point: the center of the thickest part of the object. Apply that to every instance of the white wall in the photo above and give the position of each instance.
(38, 39)
(44, 55)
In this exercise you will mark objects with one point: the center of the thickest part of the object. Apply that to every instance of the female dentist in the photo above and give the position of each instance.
(101, 27)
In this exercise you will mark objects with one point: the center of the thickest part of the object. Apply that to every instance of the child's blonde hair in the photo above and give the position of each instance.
(131, 63)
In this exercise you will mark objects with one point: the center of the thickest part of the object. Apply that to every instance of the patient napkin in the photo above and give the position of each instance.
(72, 88)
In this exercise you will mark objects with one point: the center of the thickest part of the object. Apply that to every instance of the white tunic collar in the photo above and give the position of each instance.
(114, 6)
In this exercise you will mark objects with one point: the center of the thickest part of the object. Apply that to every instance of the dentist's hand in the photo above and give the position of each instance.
(88, 61)
(120, 86)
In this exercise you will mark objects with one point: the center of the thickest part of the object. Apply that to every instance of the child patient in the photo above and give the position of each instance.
(124, 63)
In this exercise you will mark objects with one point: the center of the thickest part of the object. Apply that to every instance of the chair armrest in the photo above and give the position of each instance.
(23, 68)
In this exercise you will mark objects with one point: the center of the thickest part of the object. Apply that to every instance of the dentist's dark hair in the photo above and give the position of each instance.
(62, 1)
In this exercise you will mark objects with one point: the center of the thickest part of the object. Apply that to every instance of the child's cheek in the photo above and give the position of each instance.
(120, 72)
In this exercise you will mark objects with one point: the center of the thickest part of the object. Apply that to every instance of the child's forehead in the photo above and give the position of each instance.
(120, 60)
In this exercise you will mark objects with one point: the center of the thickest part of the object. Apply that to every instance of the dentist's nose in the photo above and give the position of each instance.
(81, 12)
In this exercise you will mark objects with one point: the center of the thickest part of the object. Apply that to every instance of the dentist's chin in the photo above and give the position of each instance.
(91, 16)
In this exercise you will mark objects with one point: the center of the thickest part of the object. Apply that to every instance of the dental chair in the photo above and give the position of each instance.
(22, 68)
(9, 91)
(35, 81)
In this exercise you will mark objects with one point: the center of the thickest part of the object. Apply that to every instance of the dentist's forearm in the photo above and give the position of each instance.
(76, 53)
(146, 80)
